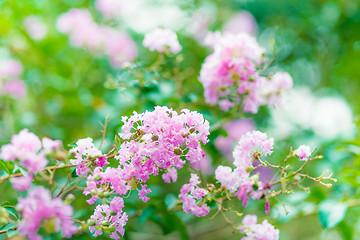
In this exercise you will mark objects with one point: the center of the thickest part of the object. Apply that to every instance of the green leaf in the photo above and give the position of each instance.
(170, 201)
(146, 214)
(10, 233)
(3, 166)
(331, 213)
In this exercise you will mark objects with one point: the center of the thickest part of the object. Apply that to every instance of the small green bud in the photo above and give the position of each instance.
(191, 130)
(103, 213)
(106, 194)
(90, 222)
(105, 223)
(94, 192)
(97, 178)
(69, 198)
(112, 228)
(112, 213)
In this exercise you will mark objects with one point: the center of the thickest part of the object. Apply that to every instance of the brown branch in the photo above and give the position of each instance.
(45, 169)
(5, 231)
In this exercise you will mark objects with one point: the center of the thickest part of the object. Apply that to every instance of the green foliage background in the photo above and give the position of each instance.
(70, 91)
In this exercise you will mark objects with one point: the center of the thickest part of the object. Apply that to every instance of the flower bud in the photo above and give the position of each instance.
(177, 151)
(105, 223)
(106, 194)
(69, 198)
(155, 138)
(97, 177)
(191, 130)
(90, 222)
(112, 213)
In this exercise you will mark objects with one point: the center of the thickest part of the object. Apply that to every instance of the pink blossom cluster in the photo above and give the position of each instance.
(231, 75)
(162, 39)
(303, 152)
(110, 8)
(39, 210)
(254, 231)
(10, 83)
(193, 197)
(102, 181)
(162, 140)
(26, 150)
(251, 147)
(109, 218)
(153, 142)
(86, 33)
(87, 156)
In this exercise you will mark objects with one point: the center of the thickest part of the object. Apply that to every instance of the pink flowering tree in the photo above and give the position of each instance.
(183, 137)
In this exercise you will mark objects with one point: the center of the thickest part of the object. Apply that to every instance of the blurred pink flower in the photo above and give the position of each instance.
(35, 27)
(15, 88)
(235, 129)
(161, 39)
(204, 165)
(110, 8)
(244, 21)
(84, 32)
(10, 68)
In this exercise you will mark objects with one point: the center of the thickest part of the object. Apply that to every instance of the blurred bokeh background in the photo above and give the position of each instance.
(66, 88)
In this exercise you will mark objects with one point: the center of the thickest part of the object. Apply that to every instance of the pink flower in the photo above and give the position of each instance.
(253, 231)
(303, 152)
(171, 174)
(191, 195)
(235, 130)
(102, 215)
(25, 147)
(50, 145)
(204, 165)
(251, 144)
(10, 68)
(110, 8)
(230, 74)
(161, 39)
(119, 47)
(144, 191)
(243, 21)
(40, 210)
(157, 141)
(274, 90)
(35, 27)
(231, 180)
(100, 40)
(267, 207)
(86, 152)
(22, 183)
(117, 204)
(15, 88)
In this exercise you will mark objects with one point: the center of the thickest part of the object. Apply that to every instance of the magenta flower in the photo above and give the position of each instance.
(303, 152)
(251, 146)
(40, 210)
(191, 195)
(144, 191)
(230, 75)
(86, 155)
(113, 221)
